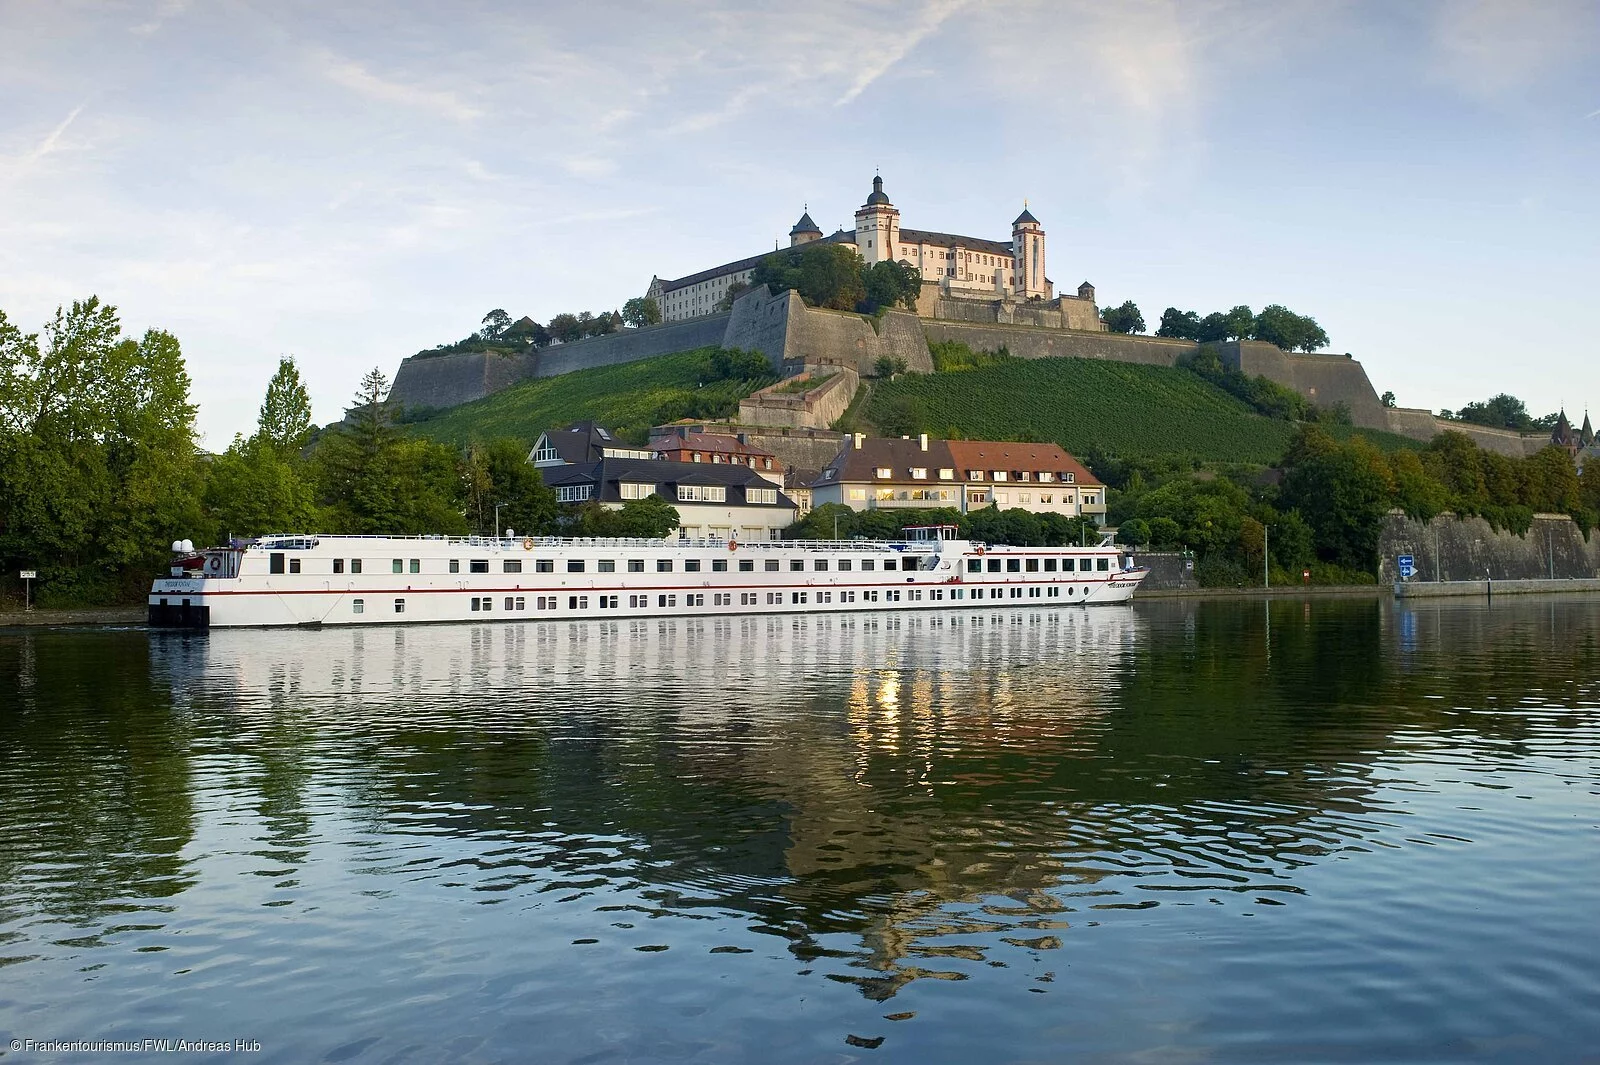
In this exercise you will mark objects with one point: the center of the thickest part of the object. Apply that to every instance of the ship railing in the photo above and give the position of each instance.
(506, 543)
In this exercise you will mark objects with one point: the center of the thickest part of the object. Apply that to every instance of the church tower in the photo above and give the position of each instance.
(1586, 434)
(1027, 256)
(877, 226)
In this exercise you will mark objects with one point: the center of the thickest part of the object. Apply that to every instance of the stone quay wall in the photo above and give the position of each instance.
(1468, 549)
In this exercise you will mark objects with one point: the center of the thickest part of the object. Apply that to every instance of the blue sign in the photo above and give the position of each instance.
(1408, 566)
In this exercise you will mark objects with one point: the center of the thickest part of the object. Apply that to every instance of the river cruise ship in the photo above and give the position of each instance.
(385, 580)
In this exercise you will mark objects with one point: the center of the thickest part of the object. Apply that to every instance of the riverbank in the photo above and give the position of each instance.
(1287, 591)
(36, 618)
(1488, 588)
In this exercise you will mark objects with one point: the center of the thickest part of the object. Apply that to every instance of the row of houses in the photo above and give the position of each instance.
(722, 485)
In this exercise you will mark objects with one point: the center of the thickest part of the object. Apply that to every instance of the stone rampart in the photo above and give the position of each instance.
(1326, 380)
(1030, 343)
(1422, 425)
(630, 345)
(1468, 549)
(815, 408)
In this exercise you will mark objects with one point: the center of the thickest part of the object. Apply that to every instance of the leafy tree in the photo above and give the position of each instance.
(736, 364)
(824, 274)
(285, 420)
(495, 324)
(641, 311)
(1239, 323)
(651, 517)
(891, 284)
(1387, 399)
(527, 331)
(735, 290)
(1343, 492)
(889, 365)
(1213, 328)
(1502, 412)
(902, 416)
(254, 488)
(1135, 532)
(1165, 532)
(1179, 325)
(1123, 319)
(1278, 325)
(566, 328)
(499, 473)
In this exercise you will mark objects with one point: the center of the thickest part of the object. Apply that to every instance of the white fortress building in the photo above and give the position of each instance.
(952, 266)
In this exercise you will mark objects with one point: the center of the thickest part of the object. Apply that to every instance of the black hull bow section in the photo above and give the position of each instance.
(179, 616)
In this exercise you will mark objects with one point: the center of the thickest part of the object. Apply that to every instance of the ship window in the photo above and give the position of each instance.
(488, 603)
(455, 565)
(994, 565)
(399, 606)
(663, 565)
(355, 565)
(475, 606)
(511, 565)
(510, 603)
(478, 565)
(1013, 565)
(719, 565)
(974, 565)
(797, 564)
(578, 602)
(574, 565)
(635, 565)
(888, 563)
(1049, 565)
(399, 565)
(667, 600)
(416, 565)
(820, 565)
(338, 565)
(844, 564)
(294, 565)
(691, 565)
(1085, 564)
(607, 565)
(747, 565)
(868, 565)
(544, 565)
(1102, 564)
(275, 562)
(771, 565)
(358, 606)
(1033, 565)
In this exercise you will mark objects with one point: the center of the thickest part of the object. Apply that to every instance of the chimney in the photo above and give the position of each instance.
(922, 439)
(861, 441)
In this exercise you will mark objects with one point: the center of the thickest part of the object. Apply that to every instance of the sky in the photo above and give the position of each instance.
(348, 183)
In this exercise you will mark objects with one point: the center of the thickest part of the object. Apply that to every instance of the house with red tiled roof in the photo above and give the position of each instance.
(686, 443)
(873, 473)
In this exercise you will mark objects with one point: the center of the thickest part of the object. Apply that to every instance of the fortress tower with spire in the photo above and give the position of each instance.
(967, 278)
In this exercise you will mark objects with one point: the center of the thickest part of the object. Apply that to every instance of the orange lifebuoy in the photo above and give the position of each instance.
(733, 545)
(527, 543)
(979, 549)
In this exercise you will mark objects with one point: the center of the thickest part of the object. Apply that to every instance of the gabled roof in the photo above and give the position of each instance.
(953, 240)
(1008, 456)
(710, 442)
(583, 441)
(608, 474)
(875, 453)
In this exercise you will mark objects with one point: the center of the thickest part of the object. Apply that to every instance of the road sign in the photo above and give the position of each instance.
(29, 575)
(1408, 566)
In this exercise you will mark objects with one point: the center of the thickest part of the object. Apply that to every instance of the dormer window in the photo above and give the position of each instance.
(919, 473)
(1070, 478)
(999, 475)
(1022, 475)
(974, 475)
(947, 475)
(885, 471)
(1046, 475)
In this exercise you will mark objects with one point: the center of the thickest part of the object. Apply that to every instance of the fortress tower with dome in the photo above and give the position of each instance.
(963, 278)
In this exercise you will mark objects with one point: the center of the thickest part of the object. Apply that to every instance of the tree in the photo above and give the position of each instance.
(1278, 325)
(1387, 399)
(498, 473)
(566, 328)
(1501, 412)
(1123, 319)
(1239, 323)
(1342, 491)
(824, 274)
(495, 324)
(254, 488)
(285, 420)
(641, 311)
(891, 284)
(527, 331)
(1135, 532)
(1213, 328)
(735, 290)
(902, 416)
(889, 365)
(1179, 325)
(650, 518)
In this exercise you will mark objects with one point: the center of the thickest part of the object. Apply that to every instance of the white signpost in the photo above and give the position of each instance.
(28, 577)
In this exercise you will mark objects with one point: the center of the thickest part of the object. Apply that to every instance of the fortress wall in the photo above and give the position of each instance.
(1051, 344)
(1467, 548)
(900, 336)
(760, 322)
(1422, 425)
(447, 380)
(807, 449)
(1323, 379)
(1080, 314)
(815, 409)
(631, 345)
(1413, 422)
(817, 336)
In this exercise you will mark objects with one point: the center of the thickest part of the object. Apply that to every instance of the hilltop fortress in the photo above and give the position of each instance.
(983, 293)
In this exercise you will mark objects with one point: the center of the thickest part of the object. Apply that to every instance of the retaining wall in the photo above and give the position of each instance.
(1467, 549)
(1030, 343)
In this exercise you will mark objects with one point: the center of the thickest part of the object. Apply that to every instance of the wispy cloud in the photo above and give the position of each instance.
(928, 21)
(165, 11)
(358, 79)
(51, 139)
(1488, 48)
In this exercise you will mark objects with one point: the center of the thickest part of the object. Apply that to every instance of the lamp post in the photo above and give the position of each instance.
(497, 533)
(1266, 556)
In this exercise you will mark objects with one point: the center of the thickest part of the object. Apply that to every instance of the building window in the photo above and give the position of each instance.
(885, 471)
(947, 475)
(702, 493)
(760, 495)
(1070, 478)
(637, 491)
(919, 473)
(358, 606)
(999, 475)
(858, 495)
(511, 565)
(573, 493)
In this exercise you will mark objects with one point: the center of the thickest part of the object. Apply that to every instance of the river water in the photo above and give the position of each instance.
(1332, 830)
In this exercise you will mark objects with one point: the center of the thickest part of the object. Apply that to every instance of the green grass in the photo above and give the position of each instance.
(627, 399)
(1089, 405)
(803, 384)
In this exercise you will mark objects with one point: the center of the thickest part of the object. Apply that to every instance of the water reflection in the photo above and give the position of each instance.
(884, 803)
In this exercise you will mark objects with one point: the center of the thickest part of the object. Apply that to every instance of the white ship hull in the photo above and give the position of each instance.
(378, 580)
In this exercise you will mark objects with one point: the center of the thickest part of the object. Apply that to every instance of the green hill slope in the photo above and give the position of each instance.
(627, 399)
(1088, 405)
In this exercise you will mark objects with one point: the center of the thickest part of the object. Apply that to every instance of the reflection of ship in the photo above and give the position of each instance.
(609, 660)
(376, 580)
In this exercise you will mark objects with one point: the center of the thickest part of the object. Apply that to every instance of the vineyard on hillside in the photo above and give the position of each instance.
(627, 399)
(1088, 405)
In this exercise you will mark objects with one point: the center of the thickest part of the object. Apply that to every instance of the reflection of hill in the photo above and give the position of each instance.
(95, 806)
